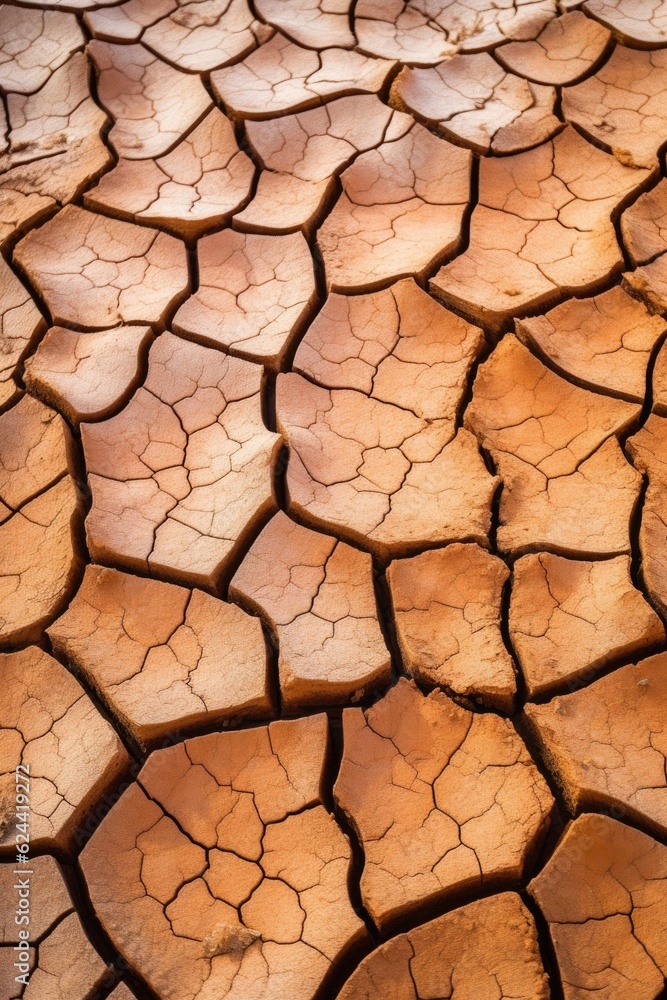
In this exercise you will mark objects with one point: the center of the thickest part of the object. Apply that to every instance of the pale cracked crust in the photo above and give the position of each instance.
(442, 799)
(162, 657)
(184, 470)
(48, 723)
(607, 743)
(603, 893)
(317, 596)
(487, 948)
(224, 849)
(567, 485)
(447, 611)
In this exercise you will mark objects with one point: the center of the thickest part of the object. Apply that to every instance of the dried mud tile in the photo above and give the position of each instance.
(67, 966)
(38, 562)
(401, 209)
(86, 375)
(396, 345)
(473, 99)
(201, 36)
(301, 155)
(607, 744)
(447, 614)
(196, 186)
(281, 76)
(604, 343)
(33, 44)
(253, 292)
(624, 106)
(247, 895)
(428, 31)
(37, 504)
(48, 723)
(163, 658)
(49, 897)
(33, 451)
(566, 482)
(374, 448)
(317, 594)
(54, 146)
(648, 451)
(566, 48)
(644, 225)
(542, 229)
(63, 964)
(660, 383)
(42, 124)
(152, 103)
(486, 948)
(396, 484)
(97, 272)
(20, 322)
(568, 618)
(185, 468)
(650, 283)
(310, 22)
(390, 478)
(642, 23)
(603, 894)
(442, 799)
(125, 22)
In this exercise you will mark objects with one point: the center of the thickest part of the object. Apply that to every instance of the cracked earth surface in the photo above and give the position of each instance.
(333, 498)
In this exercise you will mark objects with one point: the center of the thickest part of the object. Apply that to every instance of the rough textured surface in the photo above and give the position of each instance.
(153, 104)
(426, 31)
(315, 23)
(648, 450)
(165, 659)
(243, 891)
(567, 484)
(317, 596)
(282, 76)
(441, 799)
(38, 505)
(53, 146)
(180, 473)
(333, 378)
(568, 618)
(641, 23)
(604, 342)
(603, 893)
(607, 744)
(199, 184)
(33, 44)
(302, 154)
(48, 723)
(374, 445)
(95, 272)
(20, 322)
(624, 105)
(475, 101)
(87, 375)
(400, 211)
(64, 965)
(565, 49)
(487, 948)
(542, 227)
(644, 225)
(253, 292)
(447, 610)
